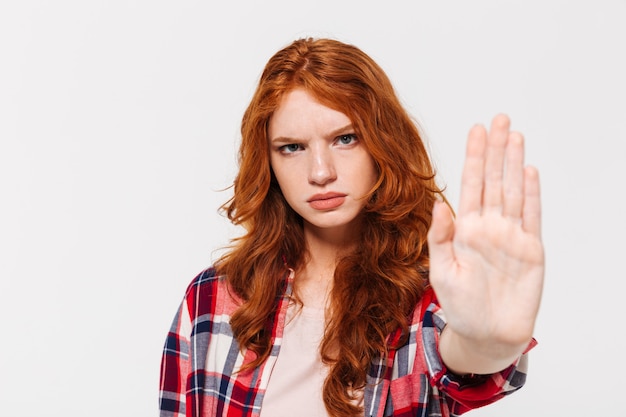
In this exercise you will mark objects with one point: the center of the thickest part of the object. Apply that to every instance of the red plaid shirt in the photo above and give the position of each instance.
(201, 357)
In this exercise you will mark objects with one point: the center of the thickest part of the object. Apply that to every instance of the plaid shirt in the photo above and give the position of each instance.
(200, 361)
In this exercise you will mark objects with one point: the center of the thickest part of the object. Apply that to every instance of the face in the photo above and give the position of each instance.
(323, 170)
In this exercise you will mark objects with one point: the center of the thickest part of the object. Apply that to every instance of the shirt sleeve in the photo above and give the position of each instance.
(175, 365)
(467, 392)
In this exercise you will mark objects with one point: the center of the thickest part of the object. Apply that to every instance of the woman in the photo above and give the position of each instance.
(332, 302)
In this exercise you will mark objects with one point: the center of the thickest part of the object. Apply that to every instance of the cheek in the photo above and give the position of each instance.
(372, 173)
(276, 171)
(286, 180)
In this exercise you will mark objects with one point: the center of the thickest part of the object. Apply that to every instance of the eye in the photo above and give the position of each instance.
(347, 139)
(290, 148)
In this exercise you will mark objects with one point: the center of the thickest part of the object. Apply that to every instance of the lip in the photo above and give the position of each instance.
(326, 201)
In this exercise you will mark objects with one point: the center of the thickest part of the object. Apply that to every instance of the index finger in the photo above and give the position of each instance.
(472, 178)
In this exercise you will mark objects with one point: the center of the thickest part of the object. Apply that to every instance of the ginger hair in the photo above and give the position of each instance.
(377, 286)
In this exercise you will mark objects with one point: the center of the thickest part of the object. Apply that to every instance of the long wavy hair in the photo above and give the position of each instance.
(377, 286)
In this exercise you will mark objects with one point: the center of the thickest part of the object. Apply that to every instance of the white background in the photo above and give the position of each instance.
(119, 127)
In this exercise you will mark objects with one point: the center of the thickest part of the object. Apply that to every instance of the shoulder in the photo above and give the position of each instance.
(206, 277)
(209, 293)
(205, 281)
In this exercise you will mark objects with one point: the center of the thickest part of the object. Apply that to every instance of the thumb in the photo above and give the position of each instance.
(440, 234)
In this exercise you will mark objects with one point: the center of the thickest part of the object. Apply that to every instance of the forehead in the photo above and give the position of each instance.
(299, 111)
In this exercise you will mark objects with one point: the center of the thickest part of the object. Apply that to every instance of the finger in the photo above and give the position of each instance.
(472, 177)
(494, 162)
(440, 234)
(531, 218)
(514, 177)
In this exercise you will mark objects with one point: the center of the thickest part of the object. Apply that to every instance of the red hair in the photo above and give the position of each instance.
(377, 286)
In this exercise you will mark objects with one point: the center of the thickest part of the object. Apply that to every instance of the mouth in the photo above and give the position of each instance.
(326, 201)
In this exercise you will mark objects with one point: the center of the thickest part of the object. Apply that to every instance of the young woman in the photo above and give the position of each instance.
(332, 303)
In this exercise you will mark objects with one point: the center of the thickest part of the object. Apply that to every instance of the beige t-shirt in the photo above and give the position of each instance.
(295, 385)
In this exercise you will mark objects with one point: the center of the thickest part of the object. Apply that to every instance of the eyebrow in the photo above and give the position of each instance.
(333, 133)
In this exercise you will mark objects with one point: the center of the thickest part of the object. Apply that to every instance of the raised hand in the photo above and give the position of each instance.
(487, 265)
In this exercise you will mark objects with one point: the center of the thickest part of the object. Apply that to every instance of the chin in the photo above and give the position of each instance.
(344, 224)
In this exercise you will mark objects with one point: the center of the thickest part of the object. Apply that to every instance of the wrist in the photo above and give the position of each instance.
(463, 355)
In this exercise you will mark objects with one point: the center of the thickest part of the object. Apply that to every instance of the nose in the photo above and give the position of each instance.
(321, 167)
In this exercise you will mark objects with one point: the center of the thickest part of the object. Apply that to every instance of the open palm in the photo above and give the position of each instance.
(487, 264)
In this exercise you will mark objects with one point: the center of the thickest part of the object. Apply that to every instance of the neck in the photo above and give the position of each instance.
(324, 249)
